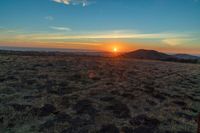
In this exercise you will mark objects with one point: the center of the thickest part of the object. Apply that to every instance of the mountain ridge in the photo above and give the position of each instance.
(186, 56)
(156, 55)
(146, 54)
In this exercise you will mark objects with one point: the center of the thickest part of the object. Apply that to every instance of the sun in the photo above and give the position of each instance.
(115, 49)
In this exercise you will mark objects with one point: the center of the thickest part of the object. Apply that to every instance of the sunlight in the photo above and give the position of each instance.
(115, 49)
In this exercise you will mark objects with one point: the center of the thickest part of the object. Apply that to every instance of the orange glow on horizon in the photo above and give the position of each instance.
(108, 46)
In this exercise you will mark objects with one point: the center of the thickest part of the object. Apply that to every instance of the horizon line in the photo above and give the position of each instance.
(74, 50)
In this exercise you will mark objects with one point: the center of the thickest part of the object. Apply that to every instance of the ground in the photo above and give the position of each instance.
(74, 94)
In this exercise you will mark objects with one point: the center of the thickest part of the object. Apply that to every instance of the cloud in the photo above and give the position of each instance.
(6, 30)
(60, 28)
(66, 2)
(49, 18)
(159, 36)
(170, 38)
(74, 2)
(175, 41)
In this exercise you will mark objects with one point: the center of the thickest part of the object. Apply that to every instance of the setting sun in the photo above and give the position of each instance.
(115, 50)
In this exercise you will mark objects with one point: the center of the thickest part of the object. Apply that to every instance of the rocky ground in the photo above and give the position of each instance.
(73, 94)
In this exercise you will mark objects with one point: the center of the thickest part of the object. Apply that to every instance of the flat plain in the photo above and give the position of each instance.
(77, 94)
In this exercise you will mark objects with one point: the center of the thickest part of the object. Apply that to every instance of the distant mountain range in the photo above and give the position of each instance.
(155, 55)
(186, 56)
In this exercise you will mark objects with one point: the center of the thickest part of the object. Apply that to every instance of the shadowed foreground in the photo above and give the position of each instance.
(73, 94)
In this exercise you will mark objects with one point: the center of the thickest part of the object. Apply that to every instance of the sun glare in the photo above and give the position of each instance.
(115, 50)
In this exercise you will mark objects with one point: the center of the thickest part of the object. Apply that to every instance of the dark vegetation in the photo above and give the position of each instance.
(83, 94)
(194, 61)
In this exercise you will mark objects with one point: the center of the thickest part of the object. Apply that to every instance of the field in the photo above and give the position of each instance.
(77, 94)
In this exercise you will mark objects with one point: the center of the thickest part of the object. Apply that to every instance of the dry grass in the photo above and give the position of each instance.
(73, 94)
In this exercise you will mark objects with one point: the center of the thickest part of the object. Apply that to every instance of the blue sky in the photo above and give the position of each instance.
(168, 25)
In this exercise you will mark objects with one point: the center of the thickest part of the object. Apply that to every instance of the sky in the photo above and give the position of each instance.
(164, 25)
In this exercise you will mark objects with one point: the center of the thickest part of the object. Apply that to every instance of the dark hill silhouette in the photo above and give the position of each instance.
(155, 55)
(147, 54)
(186, 56)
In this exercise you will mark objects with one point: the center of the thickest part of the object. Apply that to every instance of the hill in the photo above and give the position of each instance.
(147, 54)
(155, 55)
(186, 56)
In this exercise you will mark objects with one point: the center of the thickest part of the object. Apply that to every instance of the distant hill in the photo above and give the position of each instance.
(147, 54)
(186, 56)
(155, 55)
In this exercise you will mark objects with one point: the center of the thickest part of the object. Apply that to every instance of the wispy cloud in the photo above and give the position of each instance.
(60, 28)
(49, 18)
(175, 41)
(74, 2)
(67, 2)
(109, 36)
(168, 38)
(6, 30)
